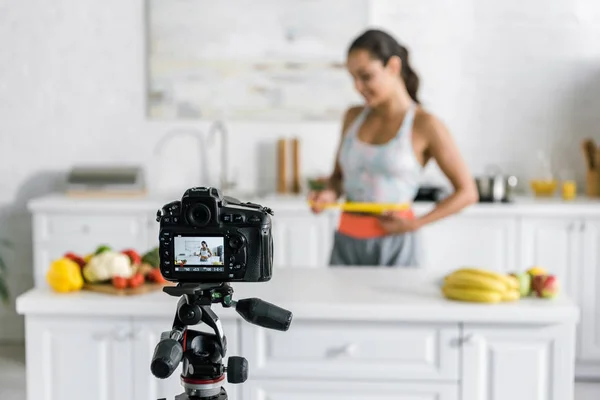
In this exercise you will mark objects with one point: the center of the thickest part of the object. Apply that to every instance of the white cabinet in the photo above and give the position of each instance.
(302, 239)
(348, 390)
(589, 292)
(556, 244)
(102, 358)
(345, 350)
(462, 240)
(501, 362)
(569, 247)
(79, 358)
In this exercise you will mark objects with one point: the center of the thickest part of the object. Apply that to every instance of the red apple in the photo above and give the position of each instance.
(546, 286)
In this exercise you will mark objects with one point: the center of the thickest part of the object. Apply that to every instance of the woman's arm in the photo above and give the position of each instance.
(444, 151)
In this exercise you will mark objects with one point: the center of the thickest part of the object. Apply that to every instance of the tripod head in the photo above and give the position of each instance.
(202, 353)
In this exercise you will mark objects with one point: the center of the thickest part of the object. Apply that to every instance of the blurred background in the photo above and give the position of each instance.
(191, 91)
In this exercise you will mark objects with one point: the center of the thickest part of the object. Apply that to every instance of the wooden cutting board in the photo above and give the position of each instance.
(108, 288)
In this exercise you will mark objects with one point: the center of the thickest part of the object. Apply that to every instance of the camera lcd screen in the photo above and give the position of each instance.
(199, 254)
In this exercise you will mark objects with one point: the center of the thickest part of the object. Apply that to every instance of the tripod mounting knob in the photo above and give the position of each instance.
(237, 369)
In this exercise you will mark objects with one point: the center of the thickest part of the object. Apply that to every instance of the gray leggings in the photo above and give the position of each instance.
(393, 250)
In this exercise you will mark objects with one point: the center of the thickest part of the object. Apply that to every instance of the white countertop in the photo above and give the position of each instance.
(288, 203)
(328, 293)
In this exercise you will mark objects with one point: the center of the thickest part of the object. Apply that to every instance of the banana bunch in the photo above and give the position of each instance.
(480, 286)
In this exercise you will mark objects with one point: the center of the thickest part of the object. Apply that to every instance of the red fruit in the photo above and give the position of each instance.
(74, 257)
(155, 276)
(133, 255)
(136, 281)
(546, 286)
(119, 282)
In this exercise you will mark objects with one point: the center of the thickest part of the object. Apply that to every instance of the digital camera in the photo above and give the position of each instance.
(206, 237)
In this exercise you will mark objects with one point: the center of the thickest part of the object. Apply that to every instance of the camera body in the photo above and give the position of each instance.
(209, 238)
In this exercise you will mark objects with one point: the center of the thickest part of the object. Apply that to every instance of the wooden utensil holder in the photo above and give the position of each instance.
(282, 161)
(592, 187)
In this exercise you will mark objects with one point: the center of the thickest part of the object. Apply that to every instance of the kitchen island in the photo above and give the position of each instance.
(356, 333)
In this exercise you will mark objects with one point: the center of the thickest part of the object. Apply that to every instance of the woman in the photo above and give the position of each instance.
(384, 146)
(205, 252)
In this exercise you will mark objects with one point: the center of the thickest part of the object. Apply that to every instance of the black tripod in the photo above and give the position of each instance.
(202, 353)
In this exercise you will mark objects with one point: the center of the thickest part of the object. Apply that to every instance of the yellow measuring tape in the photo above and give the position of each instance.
(375, 208)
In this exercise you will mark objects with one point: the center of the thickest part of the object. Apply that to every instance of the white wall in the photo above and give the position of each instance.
(508, 77)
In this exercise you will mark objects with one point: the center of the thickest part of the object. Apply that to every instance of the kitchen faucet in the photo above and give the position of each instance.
(219, 126)
(202, 144)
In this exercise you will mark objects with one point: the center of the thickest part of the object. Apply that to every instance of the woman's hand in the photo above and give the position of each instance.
(320, 198)
(396, 224)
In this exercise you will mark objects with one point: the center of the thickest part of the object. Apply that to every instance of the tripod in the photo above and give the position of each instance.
(202, 353)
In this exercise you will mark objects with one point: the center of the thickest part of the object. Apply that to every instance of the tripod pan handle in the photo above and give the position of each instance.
(265, 314)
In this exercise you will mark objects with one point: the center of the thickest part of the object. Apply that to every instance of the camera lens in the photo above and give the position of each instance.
(198, 214)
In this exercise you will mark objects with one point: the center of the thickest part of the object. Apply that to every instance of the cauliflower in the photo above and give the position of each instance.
(106, 265)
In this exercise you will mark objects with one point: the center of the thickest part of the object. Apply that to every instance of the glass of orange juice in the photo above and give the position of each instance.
(568, 186)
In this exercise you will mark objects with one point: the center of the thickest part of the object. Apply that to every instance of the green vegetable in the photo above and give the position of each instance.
(102, 248)
(152, 258)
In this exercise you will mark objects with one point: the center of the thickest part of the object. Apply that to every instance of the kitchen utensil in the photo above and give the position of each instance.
(589, 153)
(375, 208)
(281, 166)
(296, 166)
(494, 186)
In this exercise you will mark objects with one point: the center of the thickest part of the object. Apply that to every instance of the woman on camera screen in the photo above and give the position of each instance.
(385, 144)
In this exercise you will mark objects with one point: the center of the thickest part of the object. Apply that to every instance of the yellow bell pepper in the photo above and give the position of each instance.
(64, 275)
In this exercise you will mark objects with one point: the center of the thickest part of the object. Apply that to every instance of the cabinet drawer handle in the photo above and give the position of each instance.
(349, 350)
(122, 334)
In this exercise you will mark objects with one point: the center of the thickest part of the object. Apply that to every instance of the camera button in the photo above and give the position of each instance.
(254, 219)
(167, 220)
(175, 219)
(227, 218)
(238, 218)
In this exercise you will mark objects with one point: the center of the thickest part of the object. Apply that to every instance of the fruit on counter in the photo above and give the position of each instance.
(135, 280)
(106, 265)
(511, 295)
(119, 282)
(480, 286)
(102, 248)
(471, 295)
(508, 281)
(133, 255)
(524, 282)
(476, 281)
(88, 257)
(546, 286)
(79, 260)
(151, 257)
(64, 275)
(534, 271)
